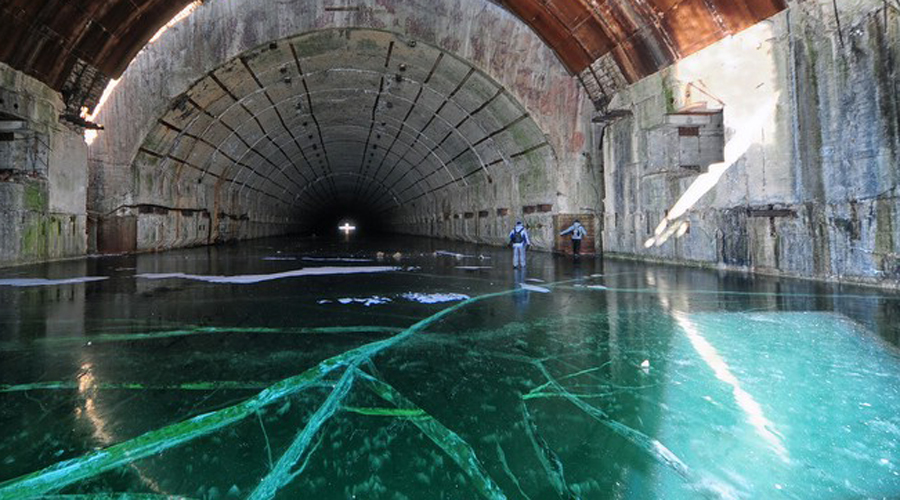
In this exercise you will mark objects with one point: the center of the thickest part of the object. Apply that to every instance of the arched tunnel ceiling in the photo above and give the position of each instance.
(341, 117)
(74, 45)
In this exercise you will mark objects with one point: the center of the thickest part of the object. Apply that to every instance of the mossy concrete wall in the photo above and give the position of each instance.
(43, 176)
(810, 180)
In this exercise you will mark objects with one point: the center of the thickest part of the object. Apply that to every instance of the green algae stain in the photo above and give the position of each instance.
(669, 94)
(884, 232)
(35, 197)
(34, 239)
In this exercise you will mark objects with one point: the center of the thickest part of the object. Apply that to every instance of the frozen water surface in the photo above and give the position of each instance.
(627, 381)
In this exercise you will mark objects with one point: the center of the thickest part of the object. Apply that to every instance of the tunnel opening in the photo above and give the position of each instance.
(343, 219)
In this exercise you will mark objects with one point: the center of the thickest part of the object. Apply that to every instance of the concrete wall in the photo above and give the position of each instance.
(809, 182)
(43, 175)
(533, 188)
(481, 33)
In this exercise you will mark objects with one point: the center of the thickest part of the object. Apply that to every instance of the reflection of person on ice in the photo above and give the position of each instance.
(518, 238)
(578, 232)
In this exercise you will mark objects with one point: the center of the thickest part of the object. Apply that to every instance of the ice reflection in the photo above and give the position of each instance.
(754, 412)
(87, 390)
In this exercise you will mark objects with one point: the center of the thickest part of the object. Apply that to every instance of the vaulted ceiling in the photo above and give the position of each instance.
(315, 120)
(71, 45)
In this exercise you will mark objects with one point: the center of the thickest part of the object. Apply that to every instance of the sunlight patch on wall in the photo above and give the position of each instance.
(741, 75)
(91, 135)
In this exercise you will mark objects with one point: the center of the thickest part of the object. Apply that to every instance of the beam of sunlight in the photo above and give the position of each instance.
(754, 412)
(91, 135)
(739, 144)
(175, 20)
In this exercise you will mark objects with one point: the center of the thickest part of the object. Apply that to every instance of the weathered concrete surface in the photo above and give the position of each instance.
(809, 183)
(43, 176)
(541, 160)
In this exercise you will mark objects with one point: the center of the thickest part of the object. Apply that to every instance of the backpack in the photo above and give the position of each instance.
(517, 236)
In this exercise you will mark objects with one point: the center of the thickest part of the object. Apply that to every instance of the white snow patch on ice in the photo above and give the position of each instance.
(366, 301)
(533, 288)
(534, 280)
(247, 279)
(24, 282)
(434, 298)
(335, 259)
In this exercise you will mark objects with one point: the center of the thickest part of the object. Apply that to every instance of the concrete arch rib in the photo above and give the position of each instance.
(355, 175)
(432, 152)
(412, 167)
(437, 145)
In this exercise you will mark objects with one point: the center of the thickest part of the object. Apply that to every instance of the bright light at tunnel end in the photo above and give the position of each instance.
(347, 227)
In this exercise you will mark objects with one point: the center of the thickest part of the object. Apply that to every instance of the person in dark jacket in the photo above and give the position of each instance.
(578, 232)
(518, 238)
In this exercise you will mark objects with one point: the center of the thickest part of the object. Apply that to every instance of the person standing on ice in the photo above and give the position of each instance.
(518, 238)
(578, 232)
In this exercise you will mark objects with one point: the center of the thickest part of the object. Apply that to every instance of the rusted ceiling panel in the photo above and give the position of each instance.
(48, 38)
(741, 15)
(644, 36)
(690, 25)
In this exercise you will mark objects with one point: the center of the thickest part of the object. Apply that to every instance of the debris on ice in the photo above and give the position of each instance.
(366, 301)
(335, 259)
(434, 298)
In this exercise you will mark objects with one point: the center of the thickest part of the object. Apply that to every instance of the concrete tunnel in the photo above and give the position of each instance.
(716, 151)
(699, 132)
(453, 119)
(334, 123)
(450, 119)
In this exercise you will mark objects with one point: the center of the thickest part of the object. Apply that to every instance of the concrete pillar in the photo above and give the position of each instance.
(43, 175)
